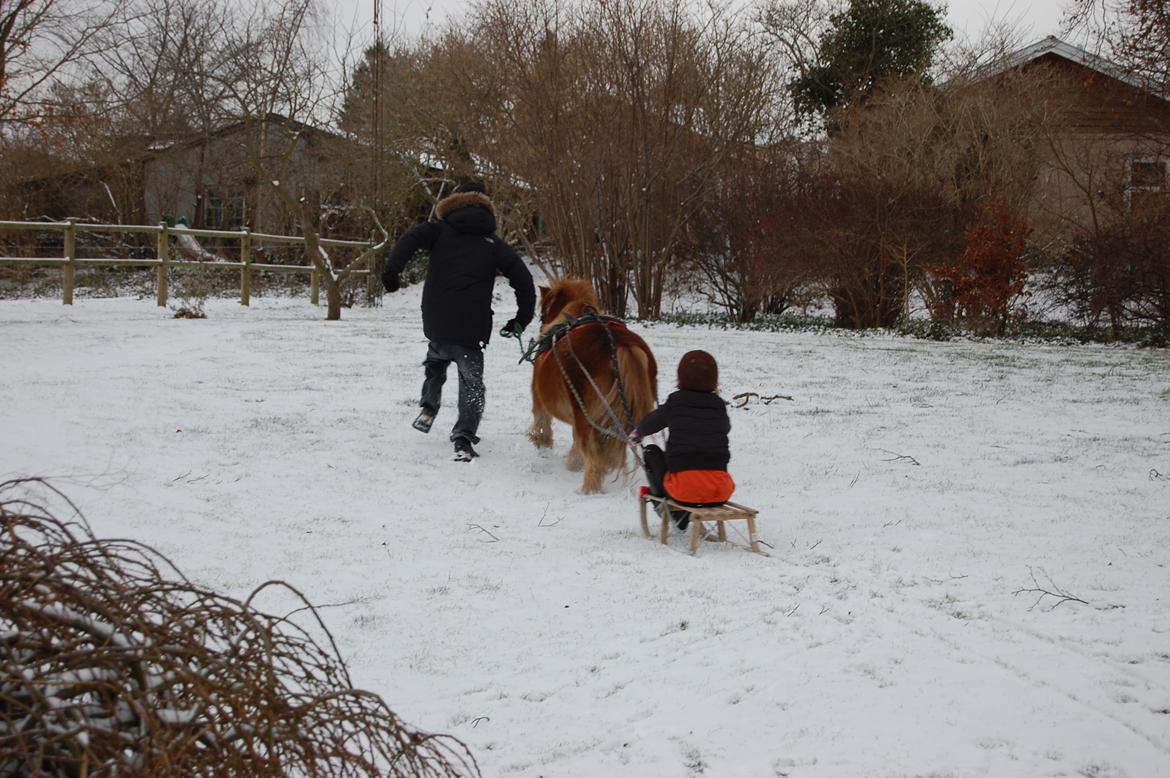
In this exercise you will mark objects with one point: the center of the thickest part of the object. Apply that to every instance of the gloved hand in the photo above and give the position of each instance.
(390, 282)
(635, 437)
(512, 329)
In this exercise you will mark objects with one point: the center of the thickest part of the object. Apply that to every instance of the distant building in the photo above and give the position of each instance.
(209, 180)
(213, 183)
(1110, 153)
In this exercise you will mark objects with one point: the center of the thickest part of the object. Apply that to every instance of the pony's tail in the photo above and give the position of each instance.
(640, 381)
(640, 377)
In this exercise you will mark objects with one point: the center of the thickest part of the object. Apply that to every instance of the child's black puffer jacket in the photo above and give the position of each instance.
(698, 424)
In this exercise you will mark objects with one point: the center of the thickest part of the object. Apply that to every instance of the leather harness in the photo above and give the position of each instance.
(540, 347)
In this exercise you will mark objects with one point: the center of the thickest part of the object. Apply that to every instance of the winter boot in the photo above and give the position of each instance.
(682, 519)
(426, 417)
(463, 450)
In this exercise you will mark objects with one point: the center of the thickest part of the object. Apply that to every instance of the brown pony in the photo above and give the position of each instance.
(560, 387)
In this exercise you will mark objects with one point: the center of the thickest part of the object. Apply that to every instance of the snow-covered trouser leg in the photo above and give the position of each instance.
(472, 392)
(436, 375)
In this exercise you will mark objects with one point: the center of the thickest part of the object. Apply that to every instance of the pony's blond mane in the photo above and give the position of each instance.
(564, 298)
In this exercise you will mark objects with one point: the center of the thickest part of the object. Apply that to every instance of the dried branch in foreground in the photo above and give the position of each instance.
(742, 399)
(1060, 595)
(113, 663)
(896, 457)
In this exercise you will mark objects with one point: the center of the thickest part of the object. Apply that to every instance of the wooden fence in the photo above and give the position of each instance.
(163, 260)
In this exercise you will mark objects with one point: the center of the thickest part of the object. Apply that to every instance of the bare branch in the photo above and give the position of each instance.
(1050, 590)
(744, 398)
(896, 457)
(487, 532)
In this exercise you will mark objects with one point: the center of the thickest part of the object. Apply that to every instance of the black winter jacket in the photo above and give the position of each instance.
(698, 425)
(465, 255)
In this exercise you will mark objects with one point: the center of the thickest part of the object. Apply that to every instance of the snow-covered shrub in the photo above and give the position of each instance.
(113, 663)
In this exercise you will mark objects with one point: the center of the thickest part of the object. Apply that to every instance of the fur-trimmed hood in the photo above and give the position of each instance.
(470, 213)
(463, 200)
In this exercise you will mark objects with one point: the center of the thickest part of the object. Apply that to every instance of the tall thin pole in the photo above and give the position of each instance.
(372, 280)
(378, 138)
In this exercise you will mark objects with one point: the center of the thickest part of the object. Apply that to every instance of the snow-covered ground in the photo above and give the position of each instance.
(907, 492)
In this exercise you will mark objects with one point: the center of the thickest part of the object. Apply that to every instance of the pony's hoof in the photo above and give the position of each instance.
(592, 486)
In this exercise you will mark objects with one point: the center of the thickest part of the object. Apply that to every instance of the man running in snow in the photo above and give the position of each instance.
(465, 255)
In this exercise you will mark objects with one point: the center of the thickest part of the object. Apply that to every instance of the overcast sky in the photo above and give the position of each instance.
(968, 17)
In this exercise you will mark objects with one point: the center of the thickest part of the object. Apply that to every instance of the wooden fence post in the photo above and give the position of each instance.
(164, 258)
(70, 262)
(315, 286)
(246, 270)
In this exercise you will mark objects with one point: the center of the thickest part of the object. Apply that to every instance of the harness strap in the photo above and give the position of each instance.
(541, 345)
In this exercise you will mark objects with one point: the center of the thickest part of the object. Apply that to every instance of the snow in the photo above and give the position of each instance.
(908, 491)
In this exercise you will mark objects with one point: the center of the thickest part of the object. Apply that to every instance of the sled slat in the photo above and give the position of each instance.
(728, 511)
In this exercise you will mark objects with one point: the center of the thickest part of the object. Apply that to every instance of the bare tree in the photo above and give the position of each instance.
(795, 28)
(388, 174)
(750, 251)
(157, 66)
(615, 116)
(275, 73)
(39, 41)
(1134, 32)
(906, 174)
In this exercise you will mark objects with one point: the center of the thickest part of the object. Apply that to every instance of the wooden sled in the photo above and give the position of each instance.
(728, 511)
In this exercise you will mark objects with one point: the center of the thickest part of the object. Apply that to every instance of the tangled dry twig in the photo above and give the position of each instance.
(1058, 594)
(742, 399)
(113, 663)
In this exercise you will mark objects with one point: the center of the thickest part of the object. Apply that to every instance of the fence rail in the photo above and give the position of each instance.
(163, 259)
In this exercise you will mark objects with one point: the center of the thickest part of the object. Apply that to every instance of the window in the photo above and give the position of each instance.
(221, 210)
(1148, 188)
(1147, 174)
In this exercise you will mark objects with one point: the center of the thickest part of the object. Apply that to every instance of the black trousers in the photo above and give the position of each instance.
(655, 461)
(472, 393)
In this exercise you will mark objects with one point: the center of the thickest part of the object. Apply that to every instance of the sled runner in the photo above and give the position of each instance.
(718, 514)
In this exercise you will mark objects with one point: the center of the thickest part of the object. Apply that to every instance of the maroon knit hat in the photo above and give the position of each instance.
(698, 372)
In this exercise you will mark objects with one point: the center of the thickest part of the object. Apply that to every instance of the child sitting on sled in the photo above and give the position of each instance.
(693, 469)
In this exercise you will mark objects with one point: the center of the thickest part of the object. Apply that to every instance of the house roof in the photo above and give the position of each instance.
(165, 146)
(1065, 50)
(160, 148)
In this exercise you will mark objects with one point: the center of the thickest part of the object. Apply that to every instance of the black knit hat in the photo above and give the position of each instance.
(698, 372)
(472, 185)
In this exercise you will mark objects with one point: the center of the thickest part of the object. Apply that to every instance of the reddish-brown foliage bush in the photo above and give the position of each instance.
(989, 275)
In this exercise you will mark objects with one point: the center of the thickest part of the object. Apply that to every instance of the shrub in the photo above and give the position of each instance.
(988, 277)
(1119, 275)
(113, 663)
